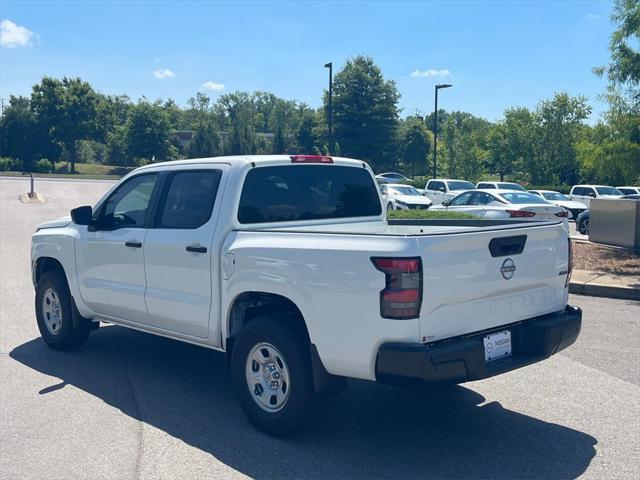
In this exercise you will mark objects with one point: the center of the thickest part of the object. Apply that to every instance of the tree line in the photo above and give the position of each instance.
(66, 119)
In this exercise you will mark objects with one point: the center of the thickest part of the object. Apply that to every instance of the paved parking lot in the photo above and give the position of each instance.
(131, 405)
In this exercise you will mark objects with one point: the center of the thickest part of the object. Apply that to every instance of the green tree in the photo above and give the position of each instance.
(148, 131)
(365, 113)
(68, 107)
(205, 141)
(19, 133)
(305, 136)
(415, 147)
(279, 142)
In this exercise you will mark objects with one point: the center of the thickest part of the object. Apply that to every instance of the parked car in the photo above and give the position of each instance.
(582, 223)
(440, 189)
(494, 204)
(403, 197)
(500, 186)
(584, 193)
(629, 190)
(392, 177)
(288, 265)
(557, 198)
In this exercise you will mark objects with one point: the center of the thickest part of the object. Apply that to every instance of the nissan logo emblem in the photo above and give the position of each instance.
(508, 269)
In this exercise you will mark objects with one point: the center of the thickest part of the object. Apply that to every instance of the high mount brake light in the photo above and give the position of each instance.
(520, 213)
(570, 265)
(562, 214)
(311, 159)
(402, 296)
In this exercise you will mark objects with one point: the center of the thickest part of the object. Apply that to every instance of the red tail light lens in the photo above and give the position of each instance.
(562, 214)
(311, 159)
(570, 265)
(402, 296)
(520, 213)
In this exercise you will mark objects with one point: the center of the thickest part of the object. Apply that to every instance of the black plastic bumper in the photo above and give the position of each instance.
(461, 359)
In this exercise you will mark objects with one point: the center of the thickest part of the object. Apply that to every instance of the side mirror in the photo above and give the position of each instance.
(82, 215)
(592, 195)
(446, 203)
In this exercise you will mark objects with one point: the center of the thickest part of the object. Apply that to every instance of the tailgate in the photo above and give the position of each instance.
(469, 287)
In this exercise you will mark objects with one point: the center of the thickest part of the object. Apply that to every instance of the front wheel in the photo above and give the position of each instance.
(271, 373)
(583, 226)
(55, 314)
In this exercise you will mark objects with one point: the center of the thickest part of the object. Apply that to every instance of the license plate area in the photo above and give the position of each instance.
(497, 345)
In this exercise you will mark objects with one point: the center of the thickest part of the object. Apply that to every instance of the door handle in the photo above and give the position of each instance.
(133, 244)
(195, 249)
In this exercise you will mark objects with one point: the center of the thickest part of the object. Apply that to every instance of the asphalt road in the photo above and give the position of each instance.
(131, 405)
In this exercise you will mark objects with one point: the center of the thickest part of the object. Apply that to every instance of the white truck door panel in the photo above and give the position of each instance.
(110, 260)
(179, 262)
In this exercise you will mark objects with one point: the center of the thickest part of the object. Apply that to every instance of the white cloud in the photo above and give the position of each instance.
(163, 73)
(12, 35)
(431, 73)
(212, 86)
(593, 16)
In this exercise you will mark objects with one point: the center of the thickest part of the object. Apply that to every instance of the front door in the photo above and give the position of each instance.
(110, 257)
(179, 256)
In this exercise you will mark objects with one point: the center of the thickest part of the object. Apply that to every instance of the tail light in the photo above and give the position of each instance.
(562, 214)
(402, 296)
(520, 213)
(570, 265)
(311, 159)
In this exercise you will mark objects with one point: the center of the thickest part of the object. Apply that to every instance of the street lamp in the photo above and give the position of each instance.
(330, 67)
(435, 128)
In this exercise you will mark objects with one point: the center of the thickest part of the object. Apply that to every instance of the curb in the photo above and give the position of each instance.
(596, 290)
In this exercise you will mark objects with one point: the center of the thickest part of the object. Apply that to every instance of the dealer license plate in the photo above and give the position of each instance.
(497, 345)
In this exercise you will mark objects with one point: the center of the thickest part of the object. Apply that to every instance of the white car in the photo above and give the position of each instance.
(629, 190)
(392, 177)
(501, 204)
(584, 193)
(440, 189)
(288, 265)
(557, 198)
(500, 186)
(403, 197)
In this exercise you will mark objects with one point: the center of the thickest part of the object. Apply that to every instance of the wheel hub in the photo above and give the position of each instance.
(52, 311)
(267, 377)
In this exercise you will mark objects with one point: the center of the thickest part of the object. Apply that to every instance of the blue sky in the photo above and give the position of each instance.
(497, 54)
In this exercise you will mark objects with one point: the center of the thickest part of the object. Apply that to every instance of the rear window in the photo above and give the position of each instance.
(307, 192)
(460, 185)
(523, 198)
(511, 186)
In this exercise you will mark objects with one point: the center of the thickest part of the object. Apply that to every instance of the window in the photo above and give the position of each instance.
(608, 191)
(578, 191)
(481, 198)
(486, 185)
(522, 198)
(461, 199)
(555, 196)
(511, 186)
(460, 185)
(404, 190)
(306, 192)
(127, 206)
(589, 192)
(189, 199)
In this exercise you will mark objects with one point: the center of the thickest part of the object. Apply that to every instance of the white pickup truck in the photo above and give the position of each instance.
(287, 264)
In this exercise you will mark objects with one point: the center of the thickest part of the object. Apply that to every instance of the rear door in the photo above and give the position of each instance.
(470, 284)
(179, 261)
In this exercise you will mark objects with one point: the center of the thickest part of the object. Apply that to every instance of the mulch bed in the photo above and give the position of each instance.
(601, 258)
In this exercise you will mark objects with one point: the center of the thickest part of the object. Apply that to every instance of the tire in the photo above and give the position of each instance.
(583, 226)
(389, 207)
(61, 327)
(252, 371)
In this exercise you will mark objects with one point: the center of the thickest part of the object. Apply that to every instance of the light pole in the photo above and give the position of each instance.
(330, 67)
(435, 127)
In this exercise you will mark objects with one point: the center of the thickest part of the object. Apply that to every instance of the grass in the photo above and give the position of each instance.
(428, 215)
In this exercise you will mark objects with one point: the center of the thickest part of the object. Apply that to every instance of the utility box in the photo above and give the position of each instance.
(615, 222)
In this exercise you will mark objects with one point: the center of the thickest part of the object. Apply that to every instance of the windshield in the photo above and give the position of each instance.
(404, 191)
(555, 196)
(523, 198)
(460, 185)
(608, 191)
(511, 186)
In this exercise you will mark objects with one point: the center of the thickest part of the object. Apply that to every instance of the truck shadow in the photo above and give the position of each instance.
(368, 431)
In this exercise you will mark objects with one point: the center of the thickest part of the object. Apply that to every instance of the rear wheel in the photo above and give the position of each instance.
(271, 373)
(583, 226)
(55, 313)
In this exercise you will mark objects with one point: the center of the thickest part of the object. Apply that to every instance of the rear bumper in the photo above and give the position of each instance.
(461, 359)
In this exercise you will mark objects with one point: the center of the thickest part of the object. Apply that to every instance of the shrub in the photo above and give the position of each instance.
(427, 215)
(8, 164)
(43, 166)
